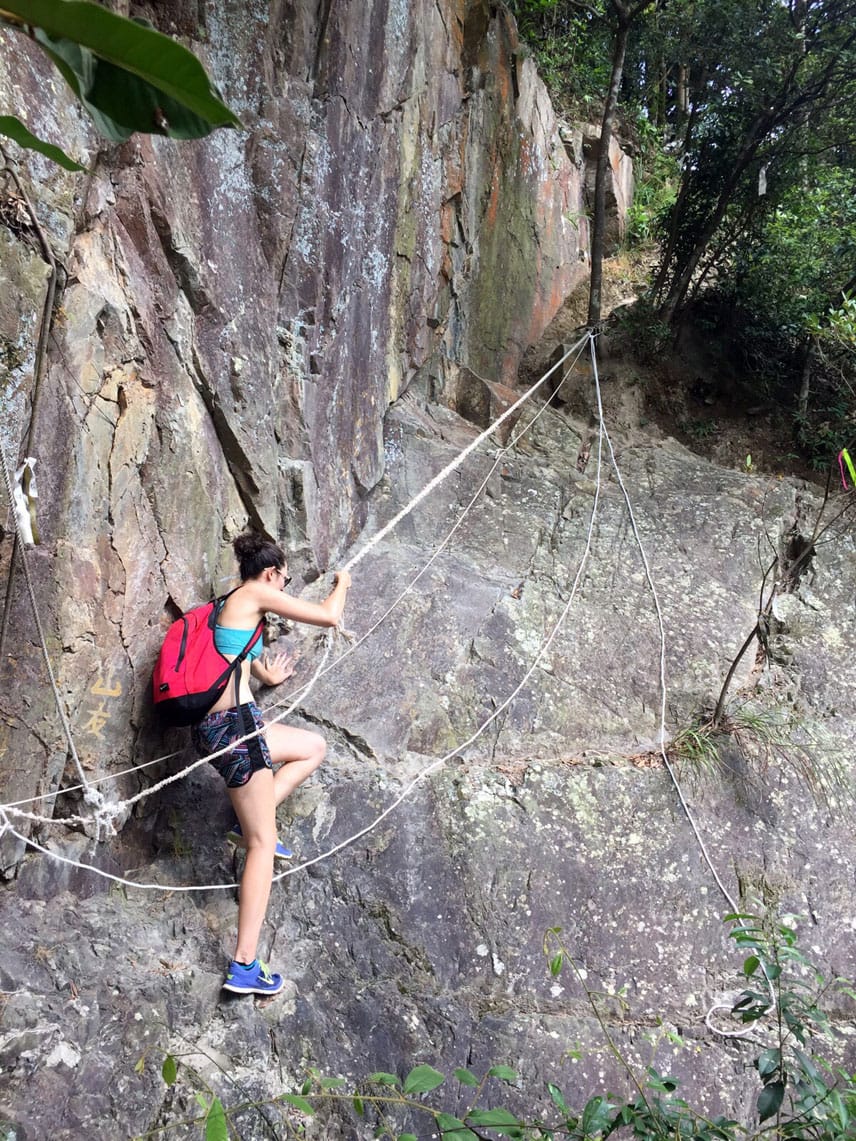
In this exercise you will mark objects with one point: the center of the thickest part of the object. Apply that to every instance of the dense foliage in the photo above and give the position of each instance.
(744, 118)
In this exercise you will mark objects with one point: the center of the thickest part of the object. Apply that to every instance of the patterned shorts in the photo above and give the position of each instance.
(217, 730)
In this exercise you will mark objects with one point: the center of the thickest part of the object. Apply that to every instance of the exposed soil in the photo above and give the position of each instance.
(688, 389)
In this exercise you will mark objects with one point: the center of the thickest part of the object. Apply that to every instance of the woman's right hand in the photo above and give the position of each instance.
(326, 613)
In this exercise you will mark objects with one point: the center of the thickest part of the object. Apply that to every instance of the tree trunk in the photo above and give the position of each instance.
(599, 212)
(682, 96)
(674, 222)
(681, 282)
(805, 383)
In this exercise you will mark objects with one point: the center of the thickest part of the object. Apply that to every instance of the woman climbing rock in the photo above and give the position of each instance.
(262, 772)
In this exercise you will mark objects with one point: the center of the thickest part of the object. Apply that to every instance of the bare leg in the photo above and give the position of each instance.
(298, 752)
(255, 806)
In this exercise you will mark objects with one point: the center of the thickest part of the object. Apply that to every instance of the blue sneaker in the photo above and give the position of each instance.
(237, 837)
(254, 979)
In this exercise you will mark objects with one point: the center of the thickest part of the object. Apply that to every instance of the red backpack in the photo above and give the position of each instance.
(190, 673)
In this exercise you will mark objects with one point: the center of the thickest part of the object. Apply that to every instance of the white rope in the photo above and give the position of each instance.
(580, 346)
(662, 630)
(94, 781)
(456, 463)
(34, 818)
(745, 1035)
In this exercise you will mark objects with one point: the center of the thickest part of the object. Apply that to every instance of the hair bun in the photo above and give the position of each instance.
(255, 554)
(249, 544)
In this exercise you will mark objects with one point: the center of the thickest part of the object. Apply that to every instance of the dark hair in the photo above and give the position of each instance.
(255, 554)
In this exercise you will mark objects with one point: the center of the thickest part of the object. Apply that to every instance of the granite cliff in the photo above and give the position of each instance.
(296, 326)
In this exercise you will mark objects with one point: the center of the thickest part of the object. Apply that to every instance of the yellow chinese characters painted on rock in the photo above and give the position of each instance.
(97, 712)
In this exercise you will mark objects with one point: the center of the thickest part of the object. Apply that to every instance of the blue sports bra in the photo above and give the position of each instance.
(231, 641)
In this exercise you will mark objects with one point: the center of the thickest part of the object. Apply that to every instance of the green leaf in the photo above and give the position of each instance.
(795, 1024)
(452, 1127)
(770, 1100)
(154, 58)
(421, 1079)
(333, 1083)
(384, 1079)
(215, 1123)
(662, 1083)
(13, 128)
(503, 1072)
(466, 1078)
(768, 1061)
(407, 1137)
(750, 965)
(808, 1067)
(359, 1105)
(596, 1115)
(169, 1070)
(503, 1121)
(118, 101)
(558, 1098)
(307, 1086)
(140, 1067)
(556, 964)
(839, 1109)
(299, 1102)
(751, 1006)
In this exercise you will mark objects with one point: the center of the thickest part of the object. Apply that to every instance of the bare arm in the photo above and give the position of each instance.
(273, 670)
(326, 613)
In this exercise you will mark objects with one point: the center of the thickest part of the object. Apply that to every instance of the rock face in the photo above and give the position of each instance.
(299, 326)
(236, 315)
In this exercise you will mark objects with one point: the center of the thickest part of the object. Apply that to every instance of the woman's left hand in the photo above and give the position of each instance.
(279, 667)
